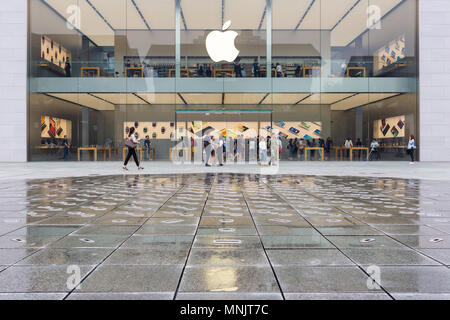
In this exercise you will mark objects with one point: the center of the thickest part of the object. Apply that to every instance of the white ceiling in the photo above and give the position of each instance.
(337, 101)
(207, 14)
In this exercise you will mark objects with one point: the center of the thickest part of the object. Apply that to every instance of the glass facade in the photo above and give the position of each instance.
(305, 69)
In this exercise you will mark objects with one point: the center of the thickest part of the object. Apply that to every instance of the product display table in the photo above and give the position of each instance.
(222, 71)
(340, 151)
(313, 148)
(125, 150)
(93, 149)
(186, 71)
(359, 148)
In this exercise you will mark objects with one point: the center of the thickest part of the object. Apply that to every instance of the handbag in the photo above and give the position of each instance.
(130, 143)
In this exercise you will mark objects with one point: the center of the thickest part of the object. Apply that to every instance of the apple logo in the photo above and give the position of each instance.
(220, 44)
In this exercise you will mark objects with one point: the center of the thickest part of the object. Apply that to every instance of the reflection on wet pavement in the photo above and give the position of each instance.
(224, 236)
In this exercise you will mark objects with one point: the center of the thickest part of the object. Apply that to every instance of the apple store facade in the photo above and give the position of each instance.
(311, 71)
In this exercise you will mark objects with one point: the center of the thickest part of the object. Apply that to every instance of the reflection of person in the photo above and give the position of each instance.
(348, 144)
(411, 148)
(300, 148)
(66, 145)
(263, 151)
(132, 150)
(208, 145)
(201, 72)
(68, 68)
(147, 147)
(279, 70)
(219, 150)
(256, 68)
(237, 68)
(374, 149)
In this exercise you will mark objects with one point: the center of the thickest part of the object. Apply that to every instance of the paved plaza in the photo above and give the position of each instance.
(224, 236)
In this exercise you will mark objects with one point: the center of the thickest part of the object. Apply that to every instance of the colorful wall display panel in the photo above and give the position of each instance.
(53, 52)
(393, 52)
(389, 127)
(52, 127)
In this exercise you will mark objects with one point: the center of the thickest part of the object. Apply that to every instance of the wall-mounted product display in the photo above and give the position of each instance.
(53, 52)
(298, 129)
(393, 127)
(52, 127)
(155, 130)
(393, 52)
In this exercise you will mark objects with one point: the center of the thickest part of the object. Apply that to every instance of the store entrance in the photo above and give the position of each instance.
(237, 130)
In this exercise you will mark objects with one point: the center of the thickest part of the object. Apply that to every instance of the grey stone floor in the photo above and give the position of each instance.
(224, 236)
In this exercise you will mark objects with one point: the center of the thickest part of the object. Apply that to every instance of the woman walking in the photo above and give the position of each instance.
(411, 148)
(131, 142)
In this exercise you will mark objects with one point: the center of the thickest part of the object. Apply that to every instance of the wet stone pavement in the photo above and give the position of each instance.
(224, 236)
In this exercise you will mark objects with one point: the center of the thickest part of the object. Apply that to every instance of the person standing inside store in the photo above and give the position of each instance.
(131, 142)
(374, 149)
(219, 150)
(255, 68)
(291, 149)
(348, 144)
(411, 148)
(237, 68)
(279, 70)
(300, 148)
(208, 145)
(328, 146)
(147, 144)
(68, 68)
(358, 144)
(66, 145)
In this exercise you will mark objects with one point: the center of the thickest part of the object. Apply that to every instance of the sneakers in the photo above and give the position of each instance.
(411, 162)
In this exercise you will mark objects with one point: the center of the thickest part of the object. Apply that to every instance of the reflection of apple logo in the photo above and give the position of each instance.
(220, 44)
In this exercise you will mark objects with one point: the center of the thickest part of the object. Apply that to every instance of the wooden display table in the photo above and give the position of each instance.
(223, 71)
(313, 148)
(134, 70)
(52, 67)
(363, 69)
(187, 71)
(94, 149)
(339, 150)
(359, 148)
(125, 150)
(95, 72)
(311, 68)
(109, 150)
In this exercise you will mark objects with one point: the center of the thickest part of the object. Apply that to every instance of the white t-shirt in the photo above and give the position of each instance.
(262, 145)
(348, 144)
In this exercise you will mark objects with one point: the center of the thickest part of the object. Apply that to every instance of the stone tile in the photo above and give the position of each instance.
(387, 256)
(227, 241)
(217, 231)
(297, 279)
(308, 257)
(173, 221)
(71, 256)
(286, 231)
(12, 241)
(143, 256)
(218, 257)
(117, 230)
(132, 278)
(228, 296)
(121, 296)
(32, 296)
(92, 241)
(11, 256)
(424, 242)
(337, 296)
(159, 242)
(290, 242)
(442, 255)
(149, 229)
(363, 242)
(228, 279)
(421, 296)
(349, 231)
(409, 230)
(28, 279)
(415, 279)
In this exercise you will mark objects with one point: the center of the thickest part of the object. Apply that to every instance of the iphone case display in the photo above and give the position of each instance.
(155, 130)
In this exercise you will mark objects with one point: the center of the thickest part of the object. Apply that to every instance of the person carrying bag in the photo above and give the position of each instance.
(131, 142)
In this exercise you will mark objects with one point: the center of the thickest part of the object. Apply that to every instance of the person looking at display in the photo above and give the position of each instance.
(66, 145)
(373, 149)
(348, 144)
(68, 68)
(411, 148)
(147, 144)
